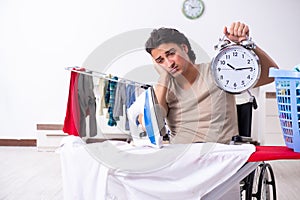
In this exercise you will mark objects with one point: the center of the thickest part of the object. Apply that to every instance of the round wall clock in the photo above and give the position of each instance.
(193, 9)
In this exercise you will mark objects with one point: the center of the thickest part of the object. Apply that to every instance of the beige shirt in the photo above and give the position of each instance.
(202, 113)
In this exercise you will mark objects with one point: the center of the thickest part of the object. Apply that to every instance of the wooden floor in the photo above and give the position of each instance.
(28, 174)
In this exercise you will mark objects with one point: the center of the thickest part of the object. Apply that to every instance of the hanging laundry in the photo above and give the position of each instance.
(139, 90)
(110, 98)
(130, 99)
(120, 99)
(107, 93)
(72, 118)
(87, 104)
(102, 87)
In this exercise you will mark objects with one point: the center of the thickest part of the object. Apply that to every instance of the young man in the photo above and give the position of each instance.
(196, 110)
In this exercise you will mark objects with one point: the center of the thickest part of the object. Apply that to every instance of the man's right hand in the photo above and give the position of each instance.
(164, 76)
(140, 120)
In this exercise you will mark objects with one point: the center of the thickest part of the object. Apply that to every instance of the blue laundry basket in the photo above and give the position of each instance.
(288, 101)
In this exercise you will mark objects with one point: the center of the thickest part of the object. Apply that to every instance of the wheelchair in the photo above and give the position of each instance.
(260, 183)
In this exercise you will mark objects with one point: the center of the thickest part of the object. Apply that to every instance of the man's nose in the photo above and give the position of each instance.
(170, 63)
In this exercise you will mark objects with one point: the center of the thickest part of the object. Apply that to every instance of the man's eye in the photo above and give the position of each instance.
(159, 61)
(172, 52)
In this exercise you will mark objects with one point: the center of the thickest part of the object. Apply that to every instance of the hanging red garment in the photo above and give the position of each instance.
(72, 119)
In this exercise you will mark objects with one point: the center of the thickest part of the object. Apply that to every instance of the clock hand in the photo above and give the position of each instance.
(243, 68)
(231, 66)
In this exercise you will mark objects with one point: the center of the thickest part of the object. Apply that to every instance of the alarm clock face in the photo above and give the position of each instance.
(235, 69)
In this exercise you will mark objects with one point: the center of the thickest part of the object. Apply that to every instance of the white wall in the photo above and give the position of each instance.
(38, 39)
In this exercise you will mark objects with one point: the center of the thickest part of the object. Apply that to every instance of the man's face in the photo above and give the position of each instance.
(172, 58)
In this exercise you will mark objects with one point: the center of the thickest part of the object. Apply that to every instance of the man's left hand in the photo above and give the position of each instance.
(237, 32)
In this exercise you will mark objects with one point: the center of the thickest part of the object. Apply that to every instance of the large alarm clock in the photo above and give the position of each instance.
(236, 68)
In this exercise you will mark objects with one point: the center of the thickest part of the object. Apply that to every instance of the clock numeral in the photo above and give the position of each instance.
(243, 82)
(227, 56)
(227, 81)
(235, 53)
(248, 61)
(234, 85)
(221, 77)
(222, 62)
(248, 77)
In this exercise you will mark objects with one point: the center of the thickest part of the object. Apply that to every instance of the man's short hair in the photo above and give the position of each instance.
(168, 35)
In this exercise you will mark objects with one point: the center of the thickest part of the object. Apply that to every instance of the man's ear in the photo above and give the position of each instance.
(185, 48)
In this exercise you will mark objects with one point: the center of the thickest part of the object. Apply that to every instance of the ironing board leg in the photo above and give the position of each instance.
(219, 191)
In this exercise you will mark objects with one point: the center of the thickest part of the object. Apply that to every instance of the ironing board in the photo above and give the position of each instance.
(192, 176)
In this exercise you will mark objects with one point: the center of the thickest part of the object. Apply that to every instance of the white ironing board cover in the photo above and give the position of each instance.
(118, 170)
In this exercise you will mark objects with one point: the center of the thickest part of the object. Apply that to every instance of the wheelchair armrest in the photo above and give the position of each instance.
(237, 139)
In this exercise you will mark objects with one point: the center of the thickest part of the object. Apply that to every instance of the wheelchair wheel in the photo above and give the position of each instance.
(263, 187)
(259, 184)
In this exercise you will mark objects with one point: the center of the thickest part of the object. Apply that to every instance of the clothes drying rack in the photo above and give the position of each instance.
(101, 75)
